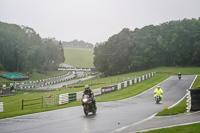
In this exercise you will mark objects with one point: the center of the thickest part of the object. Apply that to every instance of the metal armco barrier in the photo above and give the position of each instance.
(195, 99)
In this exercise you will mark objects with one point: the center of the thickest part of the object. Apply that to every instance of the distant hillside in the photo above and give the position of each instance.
(77, 44)
(79, 57)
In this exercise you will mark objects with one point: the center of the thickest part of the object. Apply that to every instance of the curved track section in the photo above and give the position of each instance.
(110, 115)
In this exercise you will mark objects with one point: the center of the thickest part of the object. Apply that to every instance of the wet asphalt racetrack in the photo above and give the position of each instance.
(110, 115)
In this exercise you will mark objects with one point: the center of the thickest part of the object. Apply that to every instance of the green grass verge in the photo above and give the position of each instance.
(180, 108)
(196, 83)
(192, 128)
(176, 70)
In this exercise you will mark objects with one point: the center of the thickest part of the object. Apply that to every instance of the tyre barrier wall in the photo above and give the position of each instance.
(193, 100)
(68, 97)
(6, 85)
(1, 106)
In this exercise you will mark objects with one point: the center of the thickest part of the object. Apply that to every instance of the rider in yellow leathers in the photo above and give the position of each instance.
(158, 92)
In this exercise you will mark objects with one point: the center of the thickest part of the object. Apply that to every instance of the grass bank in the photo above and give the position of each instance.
(192, 128)
(79, 57)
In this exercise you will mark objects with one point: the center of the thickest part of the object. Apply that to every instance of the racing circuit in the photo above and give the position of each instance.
(110, 116)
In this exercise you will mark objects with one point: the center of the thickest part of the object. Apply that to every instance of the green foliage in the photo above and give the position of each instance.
(175, 43)
(77, 44)
(23, 50)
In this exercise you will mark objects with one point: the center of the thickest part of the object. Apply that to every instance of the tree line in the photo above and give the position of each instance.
(77, 44)
(23, 50)
(174, 43)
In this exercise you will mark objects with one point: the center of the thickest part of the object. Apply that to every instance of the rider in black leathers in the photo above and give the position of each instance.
(90, 93)
(179, 76)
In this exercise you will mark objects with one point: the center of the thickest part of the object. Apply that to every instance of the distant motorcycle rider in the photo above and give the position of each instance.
(90, 93)
(158, 92)
(179, 76)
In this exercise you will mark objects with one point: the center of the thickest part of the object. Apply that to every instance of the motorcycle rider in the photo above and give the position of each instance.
(179, 76)
(158, 92)
(90, 93)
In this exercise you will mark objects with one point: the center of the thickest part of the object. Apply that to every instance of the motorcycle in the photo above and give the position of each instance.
(179, 76)
(88, 106)
(158, 99)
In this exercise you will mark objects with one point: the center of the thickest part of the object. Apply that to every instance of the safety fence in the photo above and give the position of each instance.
(46, 100)
(68, 97)
(30, 102)
(193, 100)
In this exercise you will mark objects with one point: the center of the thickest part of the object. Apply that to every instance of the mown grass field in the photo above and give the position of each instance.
(79, 57)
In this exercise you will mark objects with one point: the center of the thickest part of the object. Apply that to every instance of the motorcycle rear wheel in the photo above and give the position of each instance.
(94, 111)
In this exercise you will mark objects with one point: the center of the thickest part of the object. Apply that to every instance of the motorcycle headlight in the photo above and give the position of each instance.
(85, 100)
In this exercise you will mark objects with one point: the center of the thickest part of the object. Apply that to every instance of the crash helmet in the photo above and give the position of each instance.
(86, 87)
(158, 87)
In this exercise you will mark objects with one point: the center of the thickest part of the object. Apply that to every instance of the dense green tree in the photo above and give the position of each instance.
(23, 50)
(174, 43)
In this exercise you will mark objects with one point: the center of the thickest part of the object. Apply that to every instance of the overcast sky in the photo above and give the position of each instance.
(93, 20)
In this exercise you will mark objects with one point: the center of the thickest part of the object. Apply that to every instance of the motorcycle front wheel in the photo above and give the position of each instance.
(86, 110)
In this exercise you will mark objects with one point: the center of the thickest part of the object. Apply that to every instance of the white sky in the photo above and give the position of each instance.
(93, 20)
